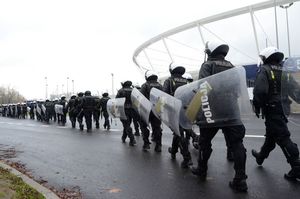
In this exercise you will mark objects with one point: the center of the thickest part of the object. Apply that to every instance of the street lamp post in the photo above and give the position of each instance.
(287, 25)
(112, 84)
(67, 87)
(46, 85)
(73, 86)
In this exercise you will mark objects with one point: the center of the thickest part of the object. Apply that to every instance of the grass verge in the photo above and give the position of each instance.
(14, 187)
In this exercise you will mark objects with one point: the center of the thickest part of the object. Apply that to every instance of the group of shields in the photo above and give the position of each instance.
(214, 101)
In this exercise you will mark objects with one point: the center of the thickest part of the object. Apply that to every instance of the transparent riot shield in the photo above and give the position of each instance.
(290, 89)
(218, 100)
(43, 108)
(38, 109)
(59, 109)
(115, 108)
(141, 104)
(166, 108)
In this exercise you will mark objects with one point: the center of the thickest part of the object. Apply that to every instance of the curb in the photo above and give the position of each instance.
(47, 193)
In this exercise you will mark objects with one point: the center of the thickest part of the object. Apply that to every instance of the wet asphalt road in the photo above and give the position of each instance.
(103, 167)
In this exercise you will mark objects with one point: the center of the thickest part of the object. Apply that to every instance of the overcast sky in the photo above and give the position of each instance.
(86, 40)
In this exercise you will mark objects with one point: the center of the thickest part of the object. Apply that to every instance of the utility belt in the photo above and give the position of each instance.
(273, 109)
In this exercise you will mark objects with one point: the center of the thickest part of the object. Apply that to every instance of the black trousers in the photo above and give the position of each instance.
(106, 119)
(88, 118)
(127, 130)
(156, 128)
(181, 142)
(277, 133)
(234, 136)
(96, 116)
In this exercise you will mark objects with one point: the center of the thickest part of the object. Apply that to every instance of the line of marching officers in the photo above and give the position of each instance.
(78, 107)
(267, 97)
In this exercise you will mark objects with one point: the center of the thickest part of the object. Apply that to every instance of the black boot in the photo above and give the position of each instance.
(173, 155)
(73, 125)
(81, 127)
(132, 142)
(200, 172)
(259, 159)
(294, 173)
(186, 163)
(146, 146)
(239, 185)
(157, 148)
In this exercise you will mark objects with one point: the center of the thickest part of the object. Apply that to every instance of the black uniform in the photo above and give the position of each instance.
(72, 111)
(78, 108)
(31, 112)
(103, 102)
(154, 121)
(63, 117)
(269, 98)
(233, 133)
(48, 106)
(170, 85)
(96, 113)
(88, 107)
(125, 91)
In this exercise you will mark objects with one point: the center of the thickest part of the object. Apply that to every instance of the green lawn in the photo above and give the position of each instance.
(13, 187)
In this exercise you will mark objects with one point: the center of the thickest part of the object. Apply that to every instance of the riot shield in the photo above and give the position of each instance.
(290, 89)
(59, 109)
(115, 108)
(166, 108)
(141, 104)
(218, 100)
(38, 109)
(43, 108)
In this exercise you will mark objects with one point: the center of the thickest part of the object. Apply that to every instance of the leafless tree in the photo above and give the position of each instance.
(9, 95)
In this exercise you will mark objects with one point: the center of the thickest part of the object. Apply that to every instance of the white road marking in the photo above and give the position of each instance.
(254, 136)
(114, 130)
(62, 127)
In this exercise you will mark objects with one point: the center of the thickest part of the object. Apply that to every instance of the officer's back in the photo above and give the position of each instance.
(125, 91)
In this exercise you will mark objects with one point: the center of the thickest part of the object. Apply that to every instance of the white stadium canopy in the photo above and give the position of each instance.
(246, 30)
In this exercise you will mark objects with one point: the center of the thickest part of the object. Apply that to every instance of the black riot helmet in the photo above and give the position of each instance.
(150, 75)
(105, 95)
(80, 94)
(73, 96)
(175, 68)
(87, 93)
(214, 48)
(127, 83)
(271, 55)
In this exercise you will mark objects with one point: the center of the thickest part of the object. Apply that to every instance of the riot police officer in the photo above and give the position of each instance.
(96, 113)
(48, 106)
(269, 99)
(78, 107)
(88, 107)
(103, 102)
(234, 131)
(125, 91)
(191, 133)
(136, 117)
(151, 82)
(63, 117)
(170, 85)
(70, 108)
